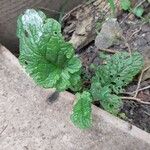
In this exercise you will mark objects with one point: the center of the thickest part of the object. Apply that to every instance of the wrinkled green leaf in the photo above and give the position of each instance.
(119, 70)
(125, 4)
(112, 104)
(110, 78)
(81, 116)
(49, 60)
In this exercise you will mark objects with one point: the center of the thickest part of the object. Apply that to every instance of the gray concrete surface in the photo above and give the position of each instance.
(28, 122)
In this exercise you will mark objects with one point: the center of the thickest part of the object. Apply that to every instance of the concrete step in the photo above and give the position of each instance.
(28, 122)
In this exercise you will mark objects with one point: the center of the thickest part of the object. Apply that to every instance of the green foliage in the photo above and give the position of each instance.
(49, 60)
(52, 63)
(110, 79)
(81, 116)
(112, 5)
(112, 104)
(125, 4)
(138, 11)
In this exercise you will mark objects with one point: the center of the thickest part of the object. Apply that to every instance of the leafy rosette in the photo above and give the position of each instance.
(48, 59)
(112, 77)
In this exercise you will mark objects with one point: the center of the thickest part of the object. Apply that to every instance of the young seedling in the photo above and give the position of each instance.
(48, 59)
(111, 77)
(126, 6)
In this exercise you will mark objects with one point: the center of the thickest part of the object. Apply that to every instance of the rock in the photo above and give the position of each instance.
(109, 34)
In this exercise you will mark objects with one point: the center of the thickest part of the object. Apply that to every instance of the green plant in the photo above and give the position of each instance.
(81, 115)
(52, 63)
(138, 11)
(49, 60)
(126, 5)
(112, 5)
(110, 79)
(107, 83)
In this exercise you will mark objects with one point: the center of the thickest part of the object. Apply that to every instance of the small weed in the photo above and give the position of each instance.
(126, 6)
(52, 63)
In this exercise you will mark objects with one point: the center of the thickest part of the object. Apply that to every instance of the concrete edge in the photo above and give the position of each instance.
(122, 125)
(6, 53)
(115, 121)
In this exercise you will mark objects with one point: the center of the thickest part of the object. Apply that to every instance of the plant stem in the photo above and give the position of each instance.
(135, 99)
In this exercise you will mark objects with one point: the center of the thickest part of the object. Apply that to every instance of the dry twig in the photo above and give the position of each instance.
(144, 88)
(139, 82)
(135, 99)
(127, 44)
(147, 113)
(141, 89)
(109, 51)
